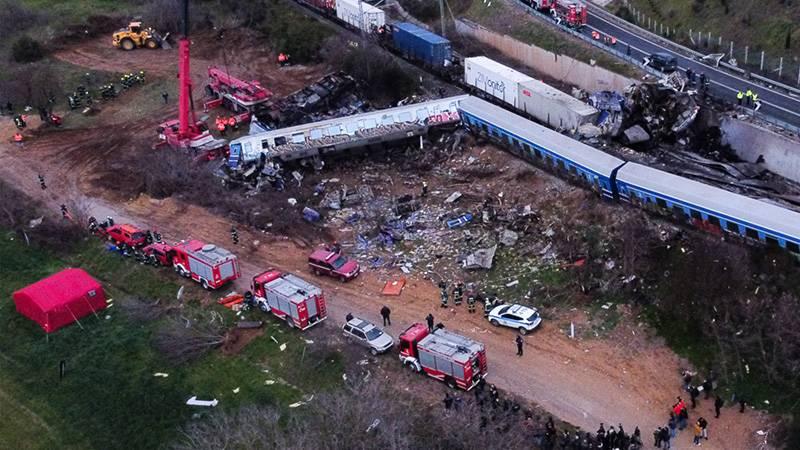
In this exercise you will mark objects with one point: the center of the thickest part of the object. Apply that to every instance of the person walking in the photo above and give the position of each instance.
(665, 440)
(385, 312)
(697, 433)
(519, 345)
(703, 427)
(739, 97)
(683, 418)
(657, 437)
(429, 320)
(672, 425)
(718, 402)
(693, 394)
(708, 387)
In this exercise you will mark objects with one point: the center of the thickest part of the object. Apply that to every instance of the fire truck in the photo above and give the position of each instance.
(242, 98)
(209, 265)
(572, 13)
(289, 297)
(454, 359)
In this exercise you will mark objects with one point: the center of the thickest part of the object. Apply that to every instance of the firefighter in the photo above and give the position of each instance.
(385, 314)
(19, 139)
(520, 342)
(232, 123)
(348, 317)
(19, 121)
(458, 293)
(739, 97)
(234, 236)
(444, 298)
(248, 299)
(220, 124)
(336, 247)
(749, 96)
(429, 321)
(283, 59)
(755, 98)
(690, 75)
(424, 189)
(165, 96)
(471, 304)
(44, 186)
(64, 212)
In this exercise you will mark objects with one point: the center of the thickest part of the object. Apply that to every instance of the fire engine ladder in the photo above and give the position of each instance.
(322, 308)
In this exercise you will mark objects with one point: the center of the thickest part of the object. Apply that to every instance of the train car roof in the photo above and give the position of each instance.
(499, 69)
(582, 154)
(756, 212)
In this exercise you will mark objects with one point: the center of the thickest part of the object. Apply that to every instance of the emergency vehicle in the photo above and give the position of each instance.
(454, 359)
(209, 265)
(289, 297)
(126, 234)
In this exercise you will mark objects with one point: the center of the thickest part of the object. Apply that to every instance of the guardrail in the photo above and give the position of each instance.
(607, 15)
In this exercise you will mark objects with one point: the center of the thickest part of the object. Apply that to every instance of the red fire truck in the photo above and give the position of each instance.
(209, 265)
(573, 14)
(446, 356)
(289, 297)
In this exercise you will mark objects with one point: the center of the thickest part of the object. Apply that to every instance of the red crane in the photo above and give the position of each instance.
(183, 133)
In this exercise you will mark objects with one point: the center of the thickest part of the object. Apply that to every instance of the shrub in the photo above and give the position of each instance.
(26, 49)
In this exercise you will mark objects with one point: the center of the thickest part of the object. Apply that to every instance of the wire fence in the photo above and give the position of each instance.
(739, 55)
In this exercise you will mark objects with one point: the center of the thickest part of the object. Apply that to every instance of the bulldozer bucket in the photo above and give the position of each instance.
(164, 43)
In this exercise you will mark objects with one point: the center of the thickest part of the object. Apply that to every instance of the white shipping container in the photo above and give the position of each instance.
(494, 78)
(553, 107)
(348, 12)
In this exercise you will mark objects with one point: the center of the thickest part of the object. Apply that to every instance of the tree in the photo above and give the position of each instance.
(26, 49)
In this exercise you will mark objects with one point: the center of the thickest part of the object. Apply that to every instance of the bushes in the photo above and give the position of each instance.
(290, 32)
(25, 49)
(383, 77)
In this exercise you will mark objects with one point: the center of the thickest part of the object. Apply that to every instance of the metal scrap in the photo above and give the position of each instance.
(481, 259)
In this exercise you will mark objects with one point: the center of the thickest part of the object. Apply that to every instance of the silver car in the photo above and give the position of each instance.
(368, 335)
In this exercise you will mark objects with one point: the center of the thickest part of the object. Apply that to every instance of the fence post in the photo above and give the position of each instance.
(662, 28)
(708, 41)
(648, 22)
(780, 67)
(798, 75)
(746, 48)
(762, 61)
(719, 44)
(731, 52)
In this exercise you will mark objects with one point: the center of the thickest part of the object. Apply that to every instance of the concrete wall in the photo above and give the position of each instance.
(748, 141)
(585, 76)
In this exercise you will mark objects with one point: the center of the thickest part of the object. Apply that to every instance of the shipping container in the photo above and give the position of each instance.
(552, 107)
(348, 12)
(494, 79)
(422, 45)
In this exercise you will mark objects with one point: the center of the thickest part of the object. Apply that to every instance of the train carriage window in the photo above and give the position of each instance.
(316, 133)
(678, 212)
(661, 203)
(280, 140)
(371, 123)
(352, 127)
(792, 247)
(732, 227)
(265, 143)
(406, 117)
(772, 242)
(298, 138)
(538, 153)
(751, 233)
(527, 148)
(388, 119)
(422, 114)
(696, 214)
(485, 128)
(361, 124)
(714, 221)
(573, 171)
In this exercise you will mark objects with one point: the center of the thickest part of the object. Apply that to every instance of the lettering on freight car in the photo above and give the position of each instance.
(495, 86)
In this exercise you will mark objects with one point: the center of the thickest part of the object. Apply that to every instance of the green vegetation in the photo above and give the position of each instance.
(506, 19)
(25, 49)
(766, 25)
(109, 397)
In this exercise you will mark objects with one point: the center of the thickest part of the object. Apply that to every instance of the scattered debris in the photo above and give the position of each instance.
(161, 374)
(283, 347)
(394, 287)
(246, 324)
(195, 402)
(481, 259)
(508, 238)
(453, 197)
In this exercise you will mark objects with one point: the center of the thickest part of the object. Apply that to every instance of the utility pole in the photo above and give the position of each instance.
(441, 14)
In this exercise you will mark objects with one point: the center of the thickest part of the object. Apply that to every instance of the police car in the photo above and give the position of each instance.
(522, 318)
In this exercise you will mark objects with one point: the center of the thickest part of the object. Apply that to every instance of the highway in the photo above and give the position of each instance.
(723, 84)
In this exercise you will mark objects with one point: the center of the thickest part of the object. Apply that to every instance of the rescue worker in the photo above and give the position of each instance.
(739, 97)
(429, 321)
(19, 121)
(471, 304)
(458, 293)
(64, 211)
(348, 317)
(755, 98)
(234, 236)
(424, 189)
(283, 59)
(336, 247)
(220, 124)
(519, 345)
(749, 96)
(165, 96)
(44, 186)
(444, 298)
(385, 313)
(690, 75)
(19, 139)
(232, 123)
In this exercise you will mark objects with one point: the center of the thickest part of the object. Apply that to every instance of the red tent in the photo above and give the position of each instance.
(60, 299)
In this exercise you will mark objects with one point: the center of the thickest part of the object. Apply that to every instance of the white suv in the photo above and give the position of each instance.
(523, 318)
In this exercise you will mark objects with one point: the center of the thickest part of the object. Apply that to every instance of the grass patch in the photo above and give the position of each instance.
(109, 397)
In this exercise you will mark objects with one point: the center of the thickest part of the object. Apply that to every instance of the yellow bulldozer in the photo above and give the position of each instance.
(134, 36)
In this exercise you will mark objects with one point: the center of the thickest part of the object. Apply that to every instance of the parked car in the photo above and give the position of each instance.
(523, 318)
(662, 61)
(333, 264)
(367, 335)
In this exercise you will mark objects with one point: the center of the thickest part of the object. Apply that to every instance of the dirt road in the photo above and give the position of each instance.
(584, 382)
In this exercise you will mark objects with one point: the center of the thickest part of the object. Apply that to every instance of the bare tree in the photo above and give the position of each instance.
(182, 340)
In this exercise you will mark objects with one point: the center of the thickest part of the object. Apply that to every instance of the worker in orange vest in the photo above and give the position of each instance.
(232, 122)
(220, 123)
(19, 139)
